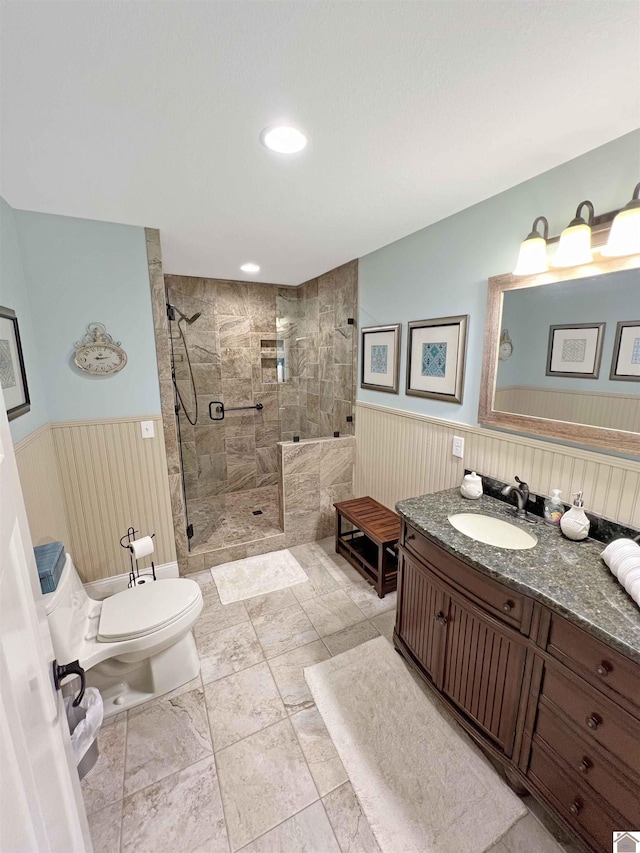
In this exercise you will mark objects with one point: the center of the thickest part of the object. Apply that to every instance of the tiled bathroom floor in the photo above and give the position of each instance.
(239, 758)
(226, 520)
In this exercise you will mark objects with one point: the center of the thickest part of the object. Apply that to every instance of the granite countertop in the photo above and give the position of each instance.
(569, 577)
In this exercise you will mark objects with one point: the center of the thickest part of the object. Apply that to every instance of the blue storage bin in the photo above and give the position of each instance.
(50, 560)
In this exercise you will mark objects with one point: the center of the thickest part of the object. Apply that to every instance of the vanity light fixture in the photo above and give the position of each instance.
(574, 248)
(533, 251)
(249, 267)
(283, 139)
(624, 237)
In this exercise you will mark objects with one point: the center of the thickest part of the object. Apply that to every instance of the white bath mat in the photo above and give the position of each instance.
(421, 783)
(257, 575)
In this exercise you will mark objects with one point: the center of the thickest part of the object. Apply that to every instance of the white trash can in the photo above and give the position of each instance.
(84, 722)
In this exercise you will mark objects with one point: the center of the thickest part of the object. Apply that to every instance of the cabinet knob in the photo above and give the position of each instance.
(411, 536)
(585, 765)
(576, 807)
(594, 721)
(603, 669)
(441, 618)
(507, 606)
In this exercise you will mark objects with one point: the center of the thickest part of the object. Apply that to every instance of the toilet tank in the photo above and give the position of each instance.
(69, 613)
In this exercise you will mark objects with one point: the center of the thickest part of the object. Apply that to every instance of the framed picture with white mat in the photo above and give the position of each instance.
(436, 356)
(625, 364)
(575, 350)
(380, 347)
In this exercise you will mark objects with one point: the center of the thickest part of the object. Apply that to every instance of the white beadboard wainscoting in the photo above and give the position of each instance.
(403, 454)
(604, 409)
(105, 587)
(86, 482)
(42, 487)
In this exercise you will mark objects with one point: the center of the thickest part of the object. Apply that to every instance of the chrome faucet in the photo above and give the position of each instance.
(522, 496)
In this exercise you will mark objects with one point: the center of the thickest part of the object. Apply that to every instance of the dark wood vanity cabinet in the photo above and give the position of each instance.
(559, 708)
(483, 671)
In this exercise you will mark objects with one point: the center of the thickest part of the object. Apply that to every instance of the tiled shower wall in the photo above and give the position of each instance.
(232, 351)
(320, 346)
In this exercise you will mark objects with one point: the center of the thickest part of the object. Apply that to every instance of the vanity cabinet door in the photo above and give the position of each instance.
(483, 670)
(421, 617)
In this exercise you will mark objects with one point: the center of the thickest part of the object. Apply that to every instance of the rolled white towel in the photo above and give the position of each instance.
(634, 590)
(631, 579)
(616, 550)
(623, 558)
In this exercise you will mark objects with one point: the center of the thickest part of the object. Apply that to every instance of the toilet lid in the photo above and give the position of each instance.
(143, 609)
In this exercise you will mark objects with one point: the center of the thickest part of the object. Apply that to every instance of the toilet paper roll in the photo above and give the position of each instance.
(141, 547)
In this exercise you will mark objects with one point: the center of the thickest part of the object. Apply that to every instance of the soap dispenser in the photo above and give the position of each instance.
(471, 486)
(553, 509)
(574, 523)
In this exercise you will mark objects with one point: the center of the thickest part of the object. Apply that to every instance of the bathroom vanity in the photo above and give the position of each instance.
(536, 653)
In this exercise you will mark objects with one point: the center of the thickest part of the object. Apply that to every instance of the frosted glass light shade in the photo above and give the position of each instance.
(283, 139)
(532, 258)
(624, 237)
(574, 248)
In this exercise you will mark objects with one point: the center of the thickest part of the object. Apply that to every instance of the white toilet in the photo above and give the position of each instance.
(135, 645)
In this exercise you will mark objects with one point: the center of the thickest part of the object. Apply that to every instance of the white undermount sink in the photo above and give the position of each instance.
(493, 531)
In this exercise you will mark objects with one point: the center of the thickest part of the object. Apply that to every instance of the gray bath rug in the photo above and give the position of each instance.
(421, 783)
(257, 576)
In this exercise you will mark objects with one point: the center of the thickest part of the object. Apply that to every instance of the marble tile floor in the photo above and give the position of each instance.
(239, 759)
(225, 520)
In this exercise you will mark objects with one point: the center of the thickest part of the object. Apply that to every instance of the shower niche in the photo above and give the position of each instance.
(272, 361)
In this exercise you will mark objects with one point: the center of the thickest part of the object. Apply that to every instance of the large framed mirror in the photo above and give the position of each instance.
(562, 354)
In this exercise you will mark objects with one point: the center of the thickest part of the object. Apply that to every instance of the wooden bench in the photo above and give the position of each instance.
(371, 546)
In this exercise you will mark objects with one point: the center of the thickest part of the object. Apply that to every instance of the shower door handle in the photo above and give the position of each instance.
(64, 671)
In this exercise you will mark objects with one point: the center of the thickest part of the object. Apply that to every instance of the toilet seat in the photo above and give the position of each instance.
(145, 609)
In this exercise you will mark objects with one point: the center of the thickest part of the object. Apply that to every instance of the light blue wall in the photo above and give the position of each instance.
(14, 295)
(443, 269)
(529, 312)
(80, 271)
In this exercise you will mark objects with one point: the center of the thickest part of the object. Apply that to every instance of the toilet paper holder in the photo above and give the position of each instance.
(126, 542)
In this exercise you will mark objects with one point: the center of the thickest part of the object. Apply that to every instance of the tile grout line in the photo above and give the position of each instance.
(287, 717)
(124, 773)
(215, 764)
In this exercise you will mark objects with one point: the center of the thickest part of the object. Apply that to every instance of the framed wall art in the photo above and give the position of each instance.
(380, 369)
(436, 352)
(625, 364)
(575, 350)
(13, 377)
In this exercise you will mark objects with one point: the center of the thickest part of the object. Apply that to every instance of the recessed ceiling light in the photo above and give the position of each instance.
(250, 268)
(283, 139)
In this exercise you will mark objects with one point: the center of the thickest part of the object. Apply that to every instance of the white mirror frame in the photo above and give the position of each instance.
(593, 436)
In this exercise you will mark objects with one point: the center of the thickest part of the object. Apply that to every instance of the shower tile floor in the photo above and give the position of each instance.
(239, 758)
(225, 520)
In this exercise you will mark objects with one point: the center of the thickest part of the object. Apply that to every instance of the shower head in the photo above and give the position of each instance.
(172, 311)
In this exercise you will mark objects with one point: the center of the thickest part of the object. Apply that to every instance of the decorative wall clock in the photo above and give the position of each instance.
(505, 350)
(98, 354)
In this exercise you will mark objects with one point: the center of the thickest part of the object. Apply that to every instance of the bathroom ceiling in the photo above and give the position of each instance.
(150, 113)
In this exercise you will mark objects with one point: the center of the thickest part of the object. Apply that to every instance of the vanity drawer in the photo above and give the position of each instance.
(596, 717)
(608, 670)
(586, 765)
(577, 805)
(508, 605)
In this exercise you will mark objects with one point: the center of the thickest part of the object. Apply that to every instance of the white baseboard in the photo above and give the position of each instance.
(105, 587)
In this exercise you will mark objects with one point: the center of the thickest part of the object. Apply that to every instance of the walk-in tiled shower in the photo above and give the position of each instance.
(281, 360)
